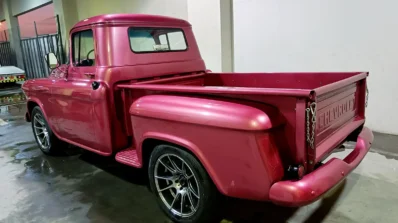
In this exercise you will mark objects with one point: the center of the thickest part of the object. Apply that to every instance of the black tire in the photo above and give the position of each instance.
(51, 147)
(207, 208)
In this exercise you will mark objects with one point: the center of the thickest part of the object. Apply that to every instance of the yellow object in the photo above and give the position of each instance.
(11, 79)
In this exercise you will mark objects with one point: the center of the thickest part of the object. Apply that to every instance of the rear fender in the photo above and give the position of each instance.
(190, 147)
(209, 112)
(218, 114)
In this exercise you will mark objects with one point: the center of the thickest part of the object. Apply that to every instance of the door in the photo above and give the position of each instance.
(72, 95)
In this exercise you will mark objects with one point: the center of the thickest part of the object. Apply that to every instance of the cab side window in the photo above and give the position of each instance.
(83, 54)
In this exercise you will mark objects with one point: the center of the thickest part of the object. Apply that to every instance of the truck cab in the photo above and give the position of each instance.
(102, 55)
(136, 88)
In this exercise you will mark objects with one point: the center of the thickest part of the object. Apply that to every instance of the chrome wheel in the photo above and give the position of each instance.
(41, 131)
(177, 185)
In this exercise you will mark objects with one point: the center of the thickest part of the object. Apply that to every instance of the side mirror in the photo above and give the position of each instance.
(52, 61)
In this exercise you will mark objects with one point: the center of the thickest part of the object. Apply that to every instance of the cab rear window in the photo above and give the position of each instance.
(146, 40)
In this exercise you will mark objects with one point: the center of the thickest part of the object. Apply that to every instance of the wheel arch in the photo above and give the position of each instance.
(31, 104)
(152, 139)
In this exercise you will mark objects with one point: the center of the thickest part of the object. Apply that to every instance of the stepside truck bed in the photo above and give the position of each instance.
(340, 100)
(319, 111)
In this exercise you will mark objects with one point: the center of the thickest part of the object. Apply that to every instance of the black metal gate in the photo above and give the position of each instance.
(34, 48)
(7, 55)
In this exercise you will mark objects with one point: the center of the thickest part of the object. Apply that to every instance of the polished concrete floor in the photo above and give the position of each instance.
(83, 187)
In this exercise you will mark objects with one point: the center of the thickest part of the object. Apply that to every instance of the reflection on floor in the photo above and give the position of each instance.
(12, 104)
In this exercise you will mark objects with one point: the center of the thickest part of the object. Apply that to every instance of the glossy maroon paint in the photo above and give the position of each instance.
(245, 128)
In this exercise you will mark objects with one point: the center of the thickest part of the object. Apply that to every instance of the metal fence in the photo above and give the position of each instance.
(34, 50)
(35, 45)
(7, 56)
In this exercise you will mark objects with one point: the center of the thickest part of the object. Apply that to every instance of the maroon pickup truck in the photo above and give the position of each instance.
(136, 88)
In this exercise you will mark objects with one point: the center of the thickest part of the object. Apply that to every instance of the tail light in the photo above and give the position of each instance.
(270, 155)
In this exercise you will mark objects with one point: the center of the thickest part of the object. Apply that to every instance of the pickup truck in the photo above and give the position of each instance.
(136, 88)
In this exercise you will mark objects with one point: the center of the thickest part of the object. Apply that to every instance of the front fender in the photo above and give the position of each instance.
(28, 87)
(28, 115)
(34, 100)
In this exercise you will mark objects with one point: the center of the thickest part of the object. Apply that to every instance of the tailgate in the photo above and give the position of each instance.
(339, 112)
(334, 110)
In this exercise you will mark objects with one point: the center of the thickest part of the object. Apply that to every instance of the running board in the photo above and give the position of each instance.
(129, 157)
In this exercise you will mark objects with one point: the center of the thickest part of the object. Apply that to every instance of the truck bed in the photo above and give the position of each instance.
(339, 100)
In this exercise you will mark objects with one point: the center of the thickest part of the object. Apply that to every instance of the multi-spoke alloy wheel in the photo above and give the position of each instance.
(184, 190)
(45, 138)
(177, 185)
(40, 131)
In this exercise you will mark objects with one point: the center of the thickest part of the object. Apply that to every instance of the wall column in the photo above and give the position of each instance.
(227, 35)
(68, 16)
(12, 23)
(213, 28)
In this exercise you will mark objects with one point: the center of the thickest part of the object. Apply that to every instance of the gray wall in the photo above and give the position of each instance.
(21, 6)
(2, 17)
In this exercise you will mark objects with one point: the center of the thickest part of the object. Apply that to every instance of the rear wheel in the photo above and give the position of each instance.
(182, 186)
(45, 138)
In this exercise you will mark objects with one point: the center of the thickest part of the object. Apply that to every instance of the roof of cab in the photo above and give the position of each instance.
(132, 19)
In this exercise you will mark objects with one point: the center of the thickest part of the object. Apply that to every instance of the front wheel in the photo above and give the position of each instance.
(45, 138)
(182, 186)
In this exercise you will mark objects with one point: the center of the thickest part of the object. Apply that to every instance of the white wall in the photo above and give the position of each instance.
(313, 35)
(175, 8)
(204, 16)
